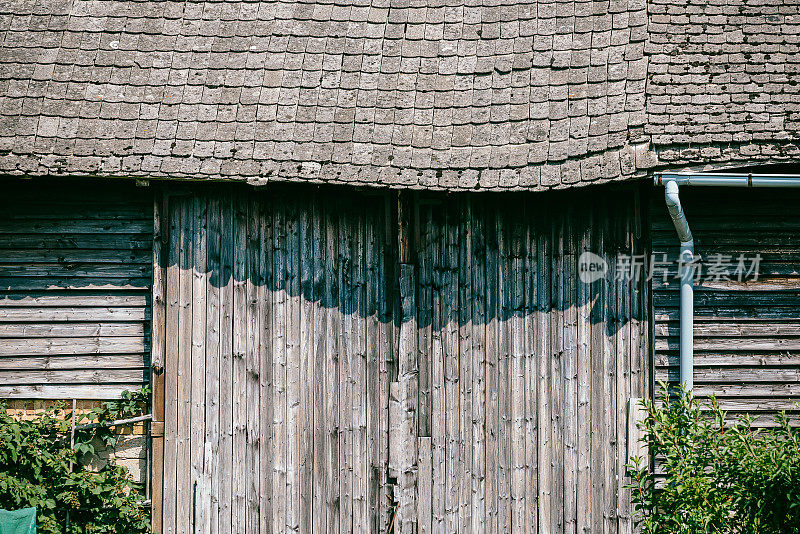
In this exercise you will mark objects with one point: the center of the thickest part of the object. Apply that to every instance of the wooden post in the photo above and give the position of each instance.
(158, 349)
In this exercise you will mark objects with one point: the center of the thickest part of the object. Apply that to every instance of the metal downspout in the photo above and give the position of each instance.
(673, 202)
(671, 182)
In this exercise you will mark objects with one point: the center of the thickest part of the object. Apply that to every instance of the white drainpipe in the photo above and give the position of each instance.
(671, 181)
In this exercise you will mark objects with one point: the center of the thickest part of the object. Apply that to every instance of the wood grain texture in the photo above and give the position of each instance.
(259, 361)
(75, 290)
(747, 332)
(482, 387)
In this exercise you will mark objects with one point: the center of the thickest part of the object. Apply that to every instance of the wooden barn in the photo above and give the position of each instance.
(391, 266)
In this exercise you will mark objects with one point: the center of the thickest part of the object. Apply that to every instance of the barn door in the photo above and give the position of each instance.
(275, 341)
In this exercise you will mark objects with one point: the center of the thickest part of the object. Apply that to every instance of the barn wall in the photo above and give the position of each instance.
(747, 333)
(336, 361)
(75, 288)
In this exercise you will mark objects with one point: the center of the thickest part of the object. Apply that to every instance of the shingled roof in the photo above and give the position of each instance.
(405, 93)
(391, 92)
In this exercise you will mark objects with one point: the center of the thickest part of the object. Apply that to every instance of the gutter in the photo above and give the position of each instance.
(671, 181)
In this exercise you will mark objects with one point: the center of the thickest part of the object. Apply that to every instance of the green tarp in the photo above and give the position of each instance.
(18, 521)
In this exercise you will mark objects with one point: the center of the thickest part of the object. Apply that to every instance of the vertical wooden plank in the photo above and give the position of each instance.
(435, 223)
(184, 501)
(359, 365)
(623, 357)
(598, 415)
(517, 440)
(478, 322)
(503, 373)
(451, 365)
(321, 367)
(387, 352)
(570, 414)
(424, 289)
(171, 367)
(279, 440)
(158, 354)
(212, 363)
(346, 370)
(531, 368)
(332, 371)
(556, 334)
(307, 360)
(466, 328)
(252, 479)
(266, 289)
(543, 394)
(609, 379)
(407, 379)
(293, 356)
(240, 331)
(584, 356)
(372, 245)
(493, 311)
(226, 383)
(424, 462)
(197, 270)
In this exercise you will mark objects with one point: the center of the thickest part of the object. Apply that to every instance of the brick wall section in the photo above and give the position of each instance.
(723, 80)
(130, 450)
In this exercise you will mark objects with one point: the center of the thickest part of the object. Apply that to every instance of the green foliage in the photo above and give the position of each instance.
(38, 468)
(717, 479)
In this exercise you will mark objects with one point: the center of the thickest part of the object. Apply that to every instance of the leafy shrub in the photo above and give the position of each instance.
(716, 478)
(38, 468)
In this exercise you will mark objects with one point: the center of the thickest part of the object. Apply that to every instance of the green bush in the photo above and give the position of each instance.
(38, 468)
(717, 478)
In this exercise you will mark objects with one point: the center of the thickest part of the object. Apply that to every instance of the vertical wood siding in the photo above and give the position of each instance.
(747, 334)
(75, 284)
(328, 370)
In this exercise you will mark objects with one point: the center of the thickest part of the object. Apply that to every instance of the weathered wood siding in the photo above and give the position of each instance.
(747, 334)
(525, 372)
(75, 284)
(278, 342)
(343, 362)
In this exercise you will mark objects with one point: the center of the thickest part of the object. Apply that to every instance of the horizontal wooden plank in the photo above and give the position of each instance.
(763, 283)
(731, 329)
(728, 313)
(89, 361)
(14, 315)
(71, 226)
(764, 238)
(70, 329)
(727, 344)
(765, 269)
(742, 299)
(75, 345)
(74, 270)
(702, 224)
(67, 391)
(717, 359)
(123, 257)
(88, 283)
(70, 376)
(732, 375)
(730, 255)
(88, 209)
(76, 241)
(76, 299)
(748, 390)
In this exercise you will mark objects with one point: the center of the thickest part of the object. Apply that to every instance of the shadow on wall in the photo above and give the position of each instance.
(478, 256)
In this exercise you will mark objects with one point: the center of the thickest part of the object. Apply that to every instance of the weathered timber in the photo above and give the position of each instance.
(75, 275)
